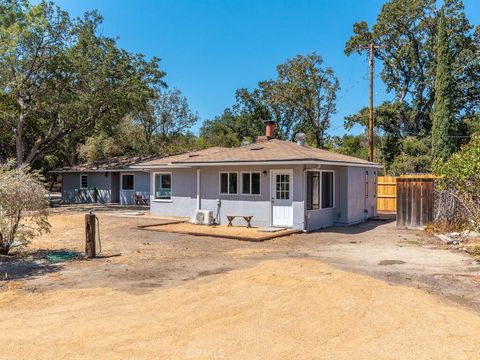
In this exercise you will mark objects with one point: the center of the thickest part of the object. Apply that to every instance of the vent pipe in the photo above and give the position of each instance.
(300, 139)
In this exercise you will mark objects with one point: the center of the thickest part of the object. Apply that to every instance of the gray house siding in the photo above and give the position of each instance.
(350, 201)
(141, 186)
(108, 184)
(73, 193)
(360, 207)
(184, 195)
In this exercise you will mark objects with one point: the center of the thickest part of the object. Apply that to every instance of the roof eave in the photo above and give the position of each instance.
(264, 162)
(59, 171)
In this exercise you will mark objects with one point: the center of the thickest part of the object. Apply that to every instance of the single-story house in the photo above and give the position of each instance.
(279, 183)
(112, 181)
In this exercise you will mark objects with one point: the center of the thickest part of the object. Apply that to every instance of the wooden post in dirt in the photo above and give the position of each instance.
(90, 235)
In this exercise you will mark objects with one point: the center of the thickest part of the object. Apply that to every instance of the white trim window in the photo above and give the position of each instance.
(228, 182)
(320, 189)
(251, 183)
(163, 186)
(83, 181)
(128, 182)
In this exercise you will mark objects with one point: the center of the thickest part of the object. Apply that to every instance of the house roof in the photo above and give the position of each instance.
(111, 164)
(273, 151)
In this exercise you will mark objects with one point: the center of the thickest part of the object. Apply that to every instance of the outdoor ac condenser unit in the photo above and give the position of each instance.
(203, 217)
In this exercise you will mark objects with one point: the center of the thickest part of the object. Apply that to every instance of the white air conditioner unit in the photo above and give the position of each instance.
(203, 217)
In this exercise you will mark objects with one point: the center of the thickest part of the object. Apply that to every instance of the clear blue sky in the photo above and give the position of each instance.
(210, 48)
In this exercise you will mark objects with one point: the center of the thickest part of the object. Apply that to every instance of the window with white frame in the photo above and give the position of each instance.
(84, 181)
(327, 189)
(228, 183)
(128, 181)
(163, 186)
(282, 183)
(320, 190)
(251, 183)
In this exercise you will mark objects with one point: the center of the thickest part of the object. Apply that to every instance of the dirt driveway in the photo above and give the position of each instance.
(158, 295)
(136, 261)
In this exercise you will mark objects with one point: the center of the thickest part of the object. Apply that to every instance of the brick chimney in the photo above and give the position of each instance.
(269, 131)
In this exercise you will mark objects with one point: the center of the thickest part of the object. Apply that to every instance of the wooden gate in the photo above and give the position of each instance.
(387, 194)
(414, 201)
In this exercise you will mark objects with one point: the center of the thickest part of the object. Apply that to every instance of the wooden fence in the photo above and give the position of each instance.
(414, 201)
(387, 191)
(387, 194)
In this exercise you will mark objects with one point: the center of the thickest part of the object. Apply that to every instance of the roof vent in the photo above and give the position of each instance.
(300, 139)
(257, 148)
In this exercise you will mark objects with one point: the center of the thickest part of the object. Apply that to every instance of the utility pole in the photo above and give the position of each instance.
(371, 47)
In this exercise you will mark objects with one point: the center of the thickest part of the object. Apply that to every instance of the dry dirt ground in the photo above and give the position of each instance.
(359, 292)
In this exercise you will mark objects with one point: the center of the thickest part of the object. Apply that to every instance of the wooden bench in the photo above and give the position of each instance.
(246, 218)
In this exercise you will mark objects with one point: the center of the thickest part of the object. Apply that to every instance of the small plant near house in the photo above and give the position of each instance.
(95, 194)
(458, 190)
(23, 207)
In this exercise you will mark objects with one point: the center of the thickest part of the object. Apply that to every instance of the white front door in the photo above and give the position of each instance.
(281, 194)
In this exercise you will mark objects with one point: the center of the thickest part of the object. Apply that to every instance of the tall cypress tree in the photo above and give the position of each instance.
(443, 114)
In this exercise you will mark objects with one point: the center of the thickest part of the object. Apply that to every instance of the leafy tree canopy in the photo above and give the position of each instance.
(406, 35)
(302, 98)
(59, 77)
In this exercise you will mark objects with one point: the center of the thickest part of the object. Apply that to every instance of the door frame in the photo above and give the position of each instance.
(272, 173)
(121, 190)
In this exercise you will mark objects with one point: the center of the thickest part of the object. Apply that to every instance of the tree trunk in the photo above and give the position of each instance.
(19, 139)
(4, 248)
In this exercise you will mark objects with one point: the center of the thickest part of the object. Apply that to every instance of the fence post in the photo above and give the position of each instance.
(90, 235)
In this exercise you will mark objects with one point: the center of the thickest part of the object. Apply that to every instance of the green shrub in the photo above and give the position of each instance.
(458, 189)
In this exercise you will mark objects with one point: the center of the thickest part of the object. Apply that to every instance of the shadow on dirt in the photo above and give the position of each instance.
(364, 226)
(33, 264)
(79, 208)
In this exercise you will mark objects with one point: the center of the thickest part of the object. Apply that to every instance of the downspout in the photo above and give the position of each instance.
(199, 200)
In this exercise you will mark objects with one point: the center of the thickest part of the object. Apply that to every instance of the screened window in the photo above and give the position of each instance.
(163, 186)
(228, 183)
(366, 183)
(283, 186)
(127, 182)
(313, 190)
(327, 189)
(84, 181)
(251, 183)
